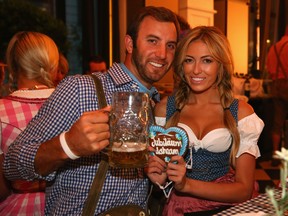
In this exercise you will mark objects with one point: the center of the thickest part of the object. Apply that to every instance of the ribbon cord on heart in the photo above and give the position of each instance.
(189, 163)
(166, 189)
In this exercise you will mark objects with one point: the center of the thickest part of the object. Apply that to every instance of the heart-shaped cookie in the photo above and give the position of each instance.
(168, 142)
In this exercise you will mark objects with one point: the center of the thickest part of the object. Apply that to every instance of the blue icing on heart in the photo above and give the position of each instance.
(167, 159)
(180, 135)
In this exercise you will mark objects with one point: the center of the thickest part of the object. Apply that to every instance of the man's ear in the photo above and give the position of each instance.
(128, 44)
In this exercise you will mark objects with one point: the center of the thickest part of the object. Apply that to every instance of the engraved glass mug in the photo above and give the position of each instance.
(130, 119)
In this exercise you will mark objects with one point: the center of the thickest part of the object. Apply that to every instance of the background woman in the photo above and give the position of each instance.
(32, 60)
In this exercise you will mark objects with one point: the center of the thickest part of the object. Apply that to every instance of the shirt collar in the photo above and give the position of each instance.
(152, 92)
(118, 75)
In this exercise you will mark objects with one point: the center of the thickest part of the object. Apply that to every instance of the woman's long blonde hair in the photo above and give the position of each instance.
(220, 50)
(33, 55)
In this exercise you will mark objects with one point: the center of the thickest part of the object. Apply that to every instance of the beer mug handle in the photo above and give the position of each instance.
(147, 115)
(144, 115)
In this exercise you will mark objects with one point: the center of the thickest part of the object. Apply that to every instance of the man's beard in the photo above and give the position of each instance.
(141, 68)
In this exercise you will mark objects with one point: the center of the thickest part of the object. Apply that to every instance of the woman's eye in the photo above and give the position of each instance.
(188, 60)
(207, 61)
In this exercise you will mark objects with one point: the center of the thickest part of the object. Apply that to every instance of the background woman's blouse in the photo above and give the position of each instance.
(16, 111)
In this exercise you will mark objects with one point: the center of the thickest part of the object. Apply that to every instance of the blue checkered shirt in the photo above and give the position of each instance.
(73, 96)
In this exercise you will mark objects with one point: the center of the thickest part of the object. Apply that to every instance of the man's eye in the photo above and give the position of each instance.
(152, 41)
(171, 46)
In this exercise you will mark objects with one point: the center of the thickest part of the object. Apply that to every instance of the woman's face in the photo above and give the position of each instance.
(200, 68)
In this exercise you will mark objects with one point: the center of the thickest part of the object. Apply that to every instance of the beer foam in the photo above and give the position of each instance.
(129, 147)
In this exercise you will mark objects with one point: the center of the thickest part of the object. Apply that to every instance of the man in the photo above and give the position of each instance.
(96, 64)
(277, 66)
(37, 153)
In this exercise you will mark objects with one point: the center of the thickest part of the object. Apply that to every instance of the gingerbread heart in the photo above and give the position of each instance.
(168, 142)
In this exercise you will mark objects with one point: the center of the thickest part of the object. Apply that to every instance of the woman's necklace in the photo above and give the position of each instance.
(39, 87)
(36, 87)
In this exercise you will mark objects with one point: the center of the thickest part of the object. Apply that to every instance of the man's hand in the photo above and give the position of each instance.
(90, 134)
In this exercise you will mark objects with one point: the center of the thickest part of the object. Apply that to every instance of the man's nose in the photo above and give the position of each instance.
(161, 51)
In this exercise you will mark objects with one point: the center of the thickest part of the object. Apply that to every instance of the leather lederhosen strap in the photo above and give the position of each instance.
(99, 178)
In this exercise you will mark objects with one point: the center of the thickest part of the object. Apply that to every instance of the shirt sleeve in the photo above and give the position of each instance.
(250, 129)
(56, 115)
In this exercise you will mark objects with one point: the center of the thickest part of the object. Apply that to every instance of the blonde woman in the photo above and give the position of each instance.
(222, 131)
(32, 60)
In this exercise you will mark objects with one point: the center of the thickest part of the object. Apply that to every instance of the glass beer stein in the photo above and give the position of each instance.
(129, 123)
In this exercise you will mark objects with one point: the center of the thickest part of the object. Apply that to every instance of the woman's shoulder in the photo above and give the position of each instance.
(244, 109)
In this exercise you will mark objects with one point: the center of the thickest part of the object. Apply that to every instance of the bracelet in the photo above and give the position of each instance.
(66, 148)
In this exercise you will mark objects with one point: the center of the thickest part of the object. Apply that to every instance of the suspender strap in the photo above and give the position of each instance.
(100, 92)
(98, 181)
(171, 108)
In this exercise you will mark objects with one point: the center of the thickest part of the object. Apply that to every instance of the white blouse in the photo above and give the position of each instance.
(32, 94)
(219, 140)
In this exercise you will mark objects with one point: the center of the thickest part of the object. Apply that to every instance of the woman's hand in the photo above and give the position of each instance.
(156, 168)
(176, 172)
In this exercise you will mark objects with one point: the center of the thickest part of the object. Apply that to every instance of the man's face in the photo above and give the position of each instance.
(154, 52)
(97, 66)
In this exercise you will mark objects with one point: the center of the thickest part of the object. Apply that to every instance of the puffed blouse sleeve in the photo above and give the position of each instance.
(250, 129)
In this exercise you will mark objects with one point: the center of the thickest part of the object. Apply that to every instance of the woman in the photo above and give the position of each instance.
(222, 131)
(32, 60)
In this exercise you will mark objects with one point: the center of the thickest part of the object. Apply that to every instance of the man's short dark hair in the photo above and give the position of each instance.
(97, 59)
(161, 14)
